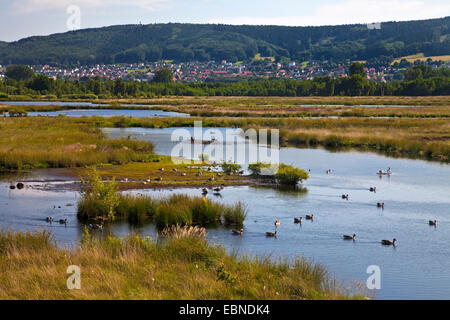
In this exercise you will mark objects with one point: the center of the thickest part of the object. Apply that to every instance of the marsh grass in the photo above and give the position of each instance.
(180, 267)
(177, 209)
(27, 143)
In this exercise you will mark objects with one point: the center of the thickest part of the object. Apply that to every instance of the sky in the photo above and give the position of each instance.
(24, 18)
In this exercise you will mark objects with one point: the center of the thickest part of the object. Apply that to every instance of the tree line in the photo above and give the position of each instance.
(419, 80)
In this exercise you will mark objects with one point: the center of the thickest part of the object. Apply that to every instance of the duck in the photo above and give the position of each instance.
(345, 196)
(373, 189)
(277, 223)
(271, 234)
(347, 237)
(49, 219)
(218, 189)
(310, 217)
(389, 243)
(238, 232)
(298, 220)
(63, 221)
(380, 205)
(433, 223)
(204, 191)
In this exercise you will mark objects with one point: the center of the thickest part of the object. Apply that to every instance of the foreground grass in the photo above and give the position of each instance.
(183, 266)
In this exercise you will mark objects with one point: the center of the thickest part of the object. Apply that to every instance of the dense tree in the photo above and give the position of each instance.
(163, 75)
(19, 72)
(185, 42)
(357, 68)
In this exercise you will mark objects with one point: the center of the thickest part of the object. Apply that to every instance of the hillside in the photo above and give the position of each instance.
(185, 42)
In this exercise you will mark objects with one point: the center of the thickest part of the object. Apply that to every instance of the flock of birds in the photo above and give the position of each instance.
(345, 236)
(277, 223)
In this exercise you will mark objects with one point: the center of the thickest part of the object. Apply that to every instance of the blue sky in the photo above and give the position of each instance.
(22, 18)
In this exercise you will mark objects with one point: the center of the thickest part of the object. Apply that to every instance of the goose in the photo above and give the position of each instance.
(96, 226)
(346, 237)
(298, 220)
(271, 234)
(433, 223)
(388, 242)
(49, 219)
(63, 221)
(311, 217)
(238, 232)
(277, 223)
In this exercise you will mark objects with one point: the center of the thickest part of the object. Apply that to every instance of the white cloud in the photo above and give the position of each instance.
(349, 12)
(28, 6)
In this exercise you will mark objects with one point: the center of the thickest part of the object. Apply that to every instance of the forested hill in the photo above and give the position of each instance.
(202, 42)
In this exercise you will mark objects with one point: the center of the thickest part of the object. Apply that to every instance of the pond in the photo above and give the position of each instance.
(109, 113)
(416, 192)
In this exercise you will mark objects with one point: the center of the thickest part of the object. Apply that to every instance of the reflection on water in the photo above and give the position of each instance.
(417, 191)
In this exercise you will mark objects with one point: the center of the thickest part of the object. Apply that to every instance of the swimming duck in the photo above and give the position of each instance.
(298, 220)
(433, 223)
(271, 234)
(238, 232)
(49, 219)
(63, 221)
(388, 242)
(345, 196)
(346, 237)
(311, 217)
(277, 223)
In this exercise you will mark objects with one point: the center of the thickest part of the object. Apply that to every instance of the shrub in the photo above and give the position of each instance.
(288, 175)
(231, 167)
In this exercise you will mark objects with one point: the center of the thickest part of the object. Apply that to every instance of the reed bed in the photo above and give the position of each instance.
(27, 143)
(182, 266)
(177, 209)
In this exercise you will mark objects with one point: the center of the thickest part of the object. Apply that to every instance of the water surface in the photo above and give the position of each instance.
(418, 191)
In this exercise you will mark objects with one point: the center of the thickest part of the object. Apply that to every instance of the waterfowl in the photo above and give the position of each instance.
(373, 189)
(433, 223)
(277, 223)
(271, 234)
(183, 174)
(96, 226)
(298, 220)
(311, 217)
(20, 185)
(159, 179)
(63, 221)
(346, 237)
(204, 191)
(49, 219)
(345, 196)
(388, 242)
(238, 232)
(380, 205)
(218, 189)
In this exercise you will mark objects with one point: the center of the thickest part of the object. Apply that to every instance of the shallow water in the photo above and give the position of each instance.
(109, 113)
(418, 191)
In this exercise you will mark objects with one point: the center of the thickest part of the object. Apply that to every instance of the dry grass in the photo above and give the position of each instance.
(184, 267)
(58, 143)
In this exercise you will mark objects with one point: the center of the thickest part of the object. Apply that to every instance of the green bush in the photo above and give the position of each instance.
(288, 175)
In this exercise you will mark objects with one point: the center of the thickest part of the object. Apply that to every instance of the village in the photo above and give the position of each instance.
(256, 69)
